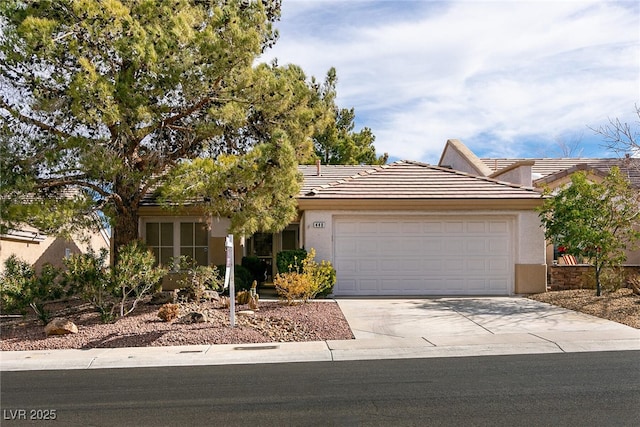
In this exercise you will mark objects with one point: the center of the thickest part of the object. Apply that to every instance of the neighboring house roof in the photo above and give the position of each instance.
(546, 170)
(415, 180)
(24, 236)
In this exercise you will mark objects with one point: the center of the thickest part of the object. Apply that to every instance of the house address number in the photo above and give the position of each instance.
(318, 224)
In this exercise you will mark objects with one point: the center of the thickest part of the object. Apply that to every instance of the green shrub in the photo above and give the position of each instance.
(291, 260)
(197, 279)
(242, 277)
(88, 277)
(21, 287)
(120, 288)
(15, 279)
(135, 275)
(256, 267)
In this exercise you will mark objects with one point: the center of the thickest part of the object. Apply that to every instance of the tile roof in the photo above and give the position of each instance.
(328, 174)
(544, 167)
(414, 180)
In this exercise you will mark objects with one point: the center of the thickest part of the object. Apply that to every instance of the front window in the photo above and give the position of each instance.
(194, 241)
(159, 238)
(172, 239)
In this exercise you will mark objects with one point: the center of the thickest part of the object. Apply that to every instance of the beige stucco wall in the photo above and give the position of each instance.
(51, 250)
(458, 157)
(519, 174)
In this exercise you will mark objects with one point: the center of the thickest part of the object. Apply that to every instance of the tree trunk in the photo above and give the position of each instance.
(598, 286)
(125, 223)
(125, 229)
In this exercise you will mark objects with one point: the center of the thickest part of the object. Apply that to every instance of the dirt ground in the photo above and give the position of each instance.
(621, 306)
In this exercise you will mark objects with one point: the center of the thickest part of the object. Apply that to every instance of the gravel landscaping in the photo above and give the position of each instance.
(273, 322)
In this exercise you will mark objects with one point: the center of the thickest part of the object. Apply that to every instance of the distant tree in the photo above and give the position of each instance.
(570, 146)
(338, 143)
(100, 100)
(597, 221)
(621, 137)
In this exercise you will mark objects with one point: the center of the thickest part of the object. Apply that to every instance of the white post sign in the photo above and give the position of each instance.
(229, 280)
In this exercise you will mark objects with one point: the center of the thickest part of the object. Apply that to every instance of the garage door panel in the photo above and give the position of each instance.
(454, 227)
(475, 266)
(411, 228)
(478, 246)
(432, 227)
(389, 228)
(477, 285)
(476, 227)
(368, 285)
(453, 246)
(423, 256)
(431, 247)
(499, 227)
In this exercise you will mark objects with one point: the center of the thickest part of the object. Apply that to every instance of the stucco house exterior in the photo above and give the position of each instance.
(406, 228)
(37, 248)
(540, 173)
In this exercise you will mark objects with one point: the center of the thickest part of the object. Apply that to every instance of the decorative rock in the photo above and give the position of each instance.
(246, 313)
(195, 317)
(164, 297)
(211, 295)
(60, 326)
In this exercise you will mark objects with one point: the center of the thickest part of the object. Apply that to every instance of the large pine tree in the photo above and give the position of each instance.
(100, 100)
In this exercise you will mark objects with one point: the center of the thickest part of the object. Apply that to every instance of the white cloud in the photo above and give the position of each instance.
(493, 74)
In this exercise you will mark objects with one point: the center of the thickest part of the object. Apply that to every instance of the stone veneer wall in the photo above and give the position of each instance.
(565, 277)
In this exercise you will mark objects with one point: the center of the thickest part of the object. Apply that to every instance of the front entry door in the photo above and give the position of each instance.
(262, 247)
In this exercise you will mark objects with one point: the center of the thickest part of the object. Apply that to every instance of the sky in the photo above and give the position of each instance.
(507, 78)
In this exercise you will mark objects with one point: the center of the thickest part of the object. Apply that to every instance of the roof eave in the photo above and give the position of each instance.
(307, 203)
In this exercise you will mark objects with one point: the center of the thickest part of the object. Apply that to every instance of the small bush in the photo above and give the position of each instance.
(290, 260)
(169, 312)
(293, 286)
(135, 275)
(21, 287)
(88, 277)
(611, 279)
(256, 266)
(314, 279)
(242, 277)
(324, 278)
(198, 278)
(120, 288)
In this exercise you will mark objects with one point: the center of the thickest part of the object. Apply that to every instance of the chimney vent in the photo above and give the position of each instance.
(318, 168)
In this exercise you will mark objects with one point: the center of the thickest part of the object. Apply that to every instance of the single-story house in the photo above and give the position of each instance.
(540, 173)
(406, 228)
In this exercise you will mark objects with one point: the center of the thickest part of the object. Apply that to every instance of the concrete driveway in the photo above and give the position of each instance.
(503, 324)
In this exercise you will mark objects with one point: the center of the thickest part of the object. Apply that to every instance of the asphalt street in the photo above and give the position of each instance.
(581, 389)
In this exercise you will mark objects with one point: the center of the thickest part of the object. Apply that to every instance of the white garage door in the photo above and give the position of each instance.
(423, 256)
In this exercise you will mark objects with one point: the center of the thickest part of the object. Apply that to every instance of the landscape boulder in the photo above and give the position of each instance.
(164, 297)
(195, 317)
(210, 295)
(60, 326)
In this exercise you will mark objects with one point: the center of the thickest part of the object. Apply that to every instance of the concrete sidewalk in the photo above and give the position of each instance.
(384, 329)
